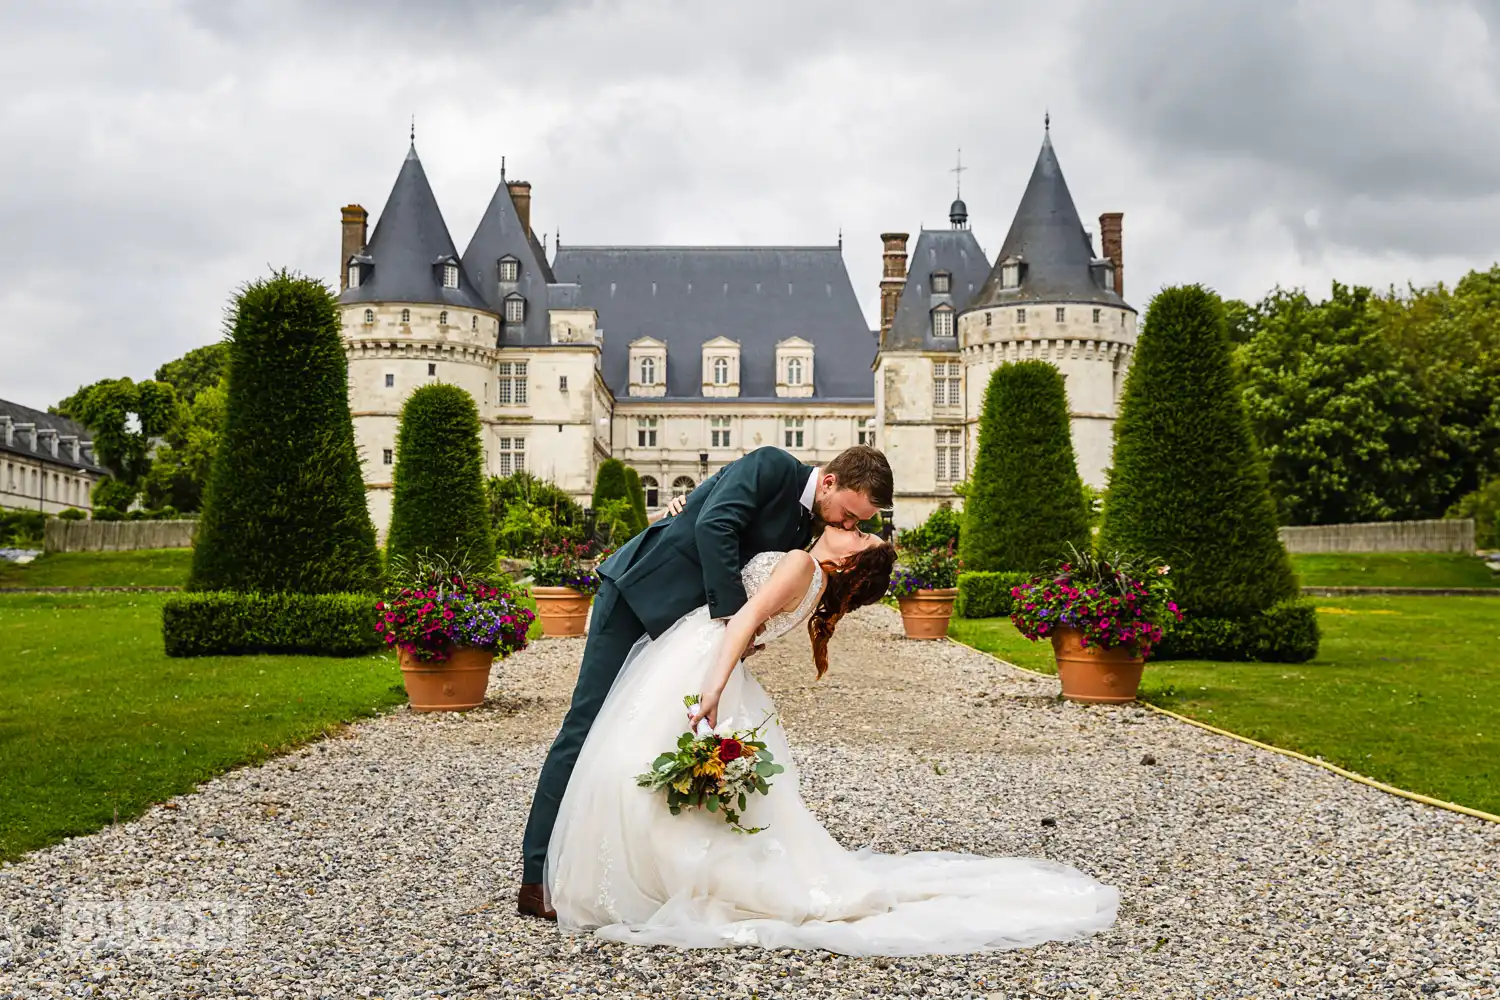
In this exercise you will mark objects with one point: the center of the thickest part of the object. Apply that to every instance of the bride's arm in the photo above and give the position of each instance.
(782, 592)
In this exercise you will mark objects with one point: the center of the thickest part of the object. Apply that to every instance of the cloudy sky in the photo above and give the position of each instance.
(156, 154)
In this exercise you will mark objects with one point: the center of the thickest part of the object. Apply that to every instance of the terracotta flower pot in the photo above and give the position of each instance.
(452, 685)
(1093, 674)
(563, 611)
(925, 614)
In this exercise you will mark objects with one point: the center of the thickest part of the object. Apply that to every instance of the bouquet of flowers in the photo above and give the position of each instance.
(926, 569)
(565, 565)
(1111, 602)
(440, 607)
(714, 771)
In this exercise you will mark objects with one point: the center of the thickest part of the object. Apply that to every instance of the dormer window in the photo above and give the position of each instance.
(353, 275)
(450, 275)
(942, 282)
(1010, 273)
(369, 316)
(942, 321)
(721, 371)
(515, 309)
(443, 318)
(648, 371)
(794, 371)
(510, 269)
(406, 315)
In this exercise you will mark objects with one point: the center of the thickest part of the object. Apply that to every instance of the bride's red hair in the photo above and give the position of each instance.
(861, 580)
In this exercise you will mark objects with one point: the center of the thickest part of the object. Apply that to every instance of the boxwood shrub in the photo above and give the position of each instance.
(1285, 633)
(208, 623)
(986, 595)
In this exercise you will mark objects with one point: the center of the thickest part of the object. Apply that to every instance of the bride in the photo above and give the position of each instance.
(619, 864)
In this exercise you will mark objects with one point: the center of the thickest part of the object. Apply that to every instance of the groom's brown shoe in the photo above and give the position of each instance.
(532, 902)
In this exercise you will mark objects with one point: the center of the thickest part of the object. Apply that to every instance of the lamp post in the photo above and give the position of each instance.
(702, 465)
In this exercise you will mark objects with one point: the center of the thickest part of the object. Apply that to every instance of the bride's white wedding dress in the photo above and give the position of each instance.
(621, 865)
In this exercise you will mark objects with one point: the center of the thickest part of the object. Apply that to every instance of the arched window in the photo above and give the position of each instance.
(443, 318)
(369, 315)
(682, 486)
(794, 371)
(721, 371)
(406, 315)
(648, 371)
(653, 491)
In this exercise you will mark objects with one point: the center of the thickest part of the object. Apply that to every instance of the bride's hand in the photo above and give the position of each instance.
(707, 708)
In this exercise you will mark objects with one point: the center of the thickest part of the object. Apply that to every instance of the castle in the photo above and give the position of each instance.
(677, 360)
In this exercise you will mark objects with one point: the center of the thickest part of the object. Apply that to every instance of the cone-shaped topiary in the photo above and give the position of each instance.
(1187, 485)
(285, 505)
(1025, 503)
(637, 498)
(440, 508)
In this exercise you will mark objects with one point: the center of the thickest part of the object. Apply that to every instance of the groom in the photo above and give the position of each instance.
(764, 502)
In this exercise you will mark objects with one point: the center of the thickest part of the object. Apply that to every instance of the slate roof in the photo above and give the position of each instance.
(409, 239)
(44, 421)
(1049, 238)
(955, 251)
(757, 296)
(500, 234)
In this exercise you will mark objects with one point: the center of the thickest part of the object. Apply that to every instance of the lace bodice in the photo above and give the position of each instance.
(755, 574)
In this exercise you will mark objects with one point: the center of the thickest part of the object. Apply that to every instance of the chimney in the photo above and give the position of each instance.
(355, 224)
(893, 279)
(520, 196)
(1111, 243)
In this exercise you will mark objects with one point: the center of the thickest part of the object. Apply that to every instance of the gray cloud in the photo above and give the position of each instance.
(162, 155)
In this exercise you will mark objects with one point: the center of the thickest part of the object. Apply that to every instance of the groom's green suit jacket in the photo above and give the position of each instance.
(681, 563)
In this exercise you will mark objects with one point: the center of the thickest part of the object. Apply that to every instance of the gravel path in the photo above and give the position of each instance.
(382, 863)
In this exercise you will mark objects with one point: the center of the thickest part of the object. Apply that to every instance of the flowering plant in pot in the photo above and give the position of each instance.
(448, 626)
(924, 583)
(1103, 615)
(563, 581)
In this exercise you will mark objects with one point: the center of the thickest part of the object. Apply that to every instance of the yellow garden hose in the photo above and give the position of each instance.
(1371, 782)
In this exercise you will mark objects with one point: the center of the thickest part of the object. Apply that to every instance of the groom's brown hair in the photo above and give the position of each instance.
(864, 470)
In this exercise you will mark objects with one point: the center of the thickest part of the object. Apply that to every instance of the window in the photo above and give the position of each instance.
(510, 452)
(369, 316)
(950, 455)
(867, 432)
(645, 432)
(653, 491)
(942, 322)
(945, 384)
(386, 457)
(1062, 314)
(443, 318)
(515, 309)
(406, 315)
(353, 275)
(473, 322)
(390, 380)
(510, 269)
(942, 282)
(988, 317)
(512, 385)
(718, 432)
(1097, 314)
(431, 368)
(1020, 315)
(793, 431)
(562, 383)
(794, 371)
(648, 371)
(682, 486)
(450, 275)
(721, 371)
(1010, 275)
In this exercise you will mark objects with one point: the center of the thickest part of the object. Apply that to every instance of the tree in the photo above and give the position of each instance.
(199, 369)
(529, 513)
(123, 416)
(637, 498)
(285, 507)
(1187, 486)
(1025, 502)
(179, 472)
(614, 506)
(440, 508)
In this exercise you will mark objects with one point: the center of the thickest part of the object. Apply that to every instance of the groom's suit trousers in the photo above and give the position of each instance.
(613, 630)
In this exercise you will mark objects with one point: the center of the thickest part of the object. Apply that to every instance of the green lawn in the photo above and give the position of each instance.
(143, 568)
(96, 718)
(1405, 690)
(1395, 569)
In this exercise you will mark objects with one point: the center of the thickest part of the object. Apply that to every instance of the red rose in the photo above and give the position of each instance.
(731, 750)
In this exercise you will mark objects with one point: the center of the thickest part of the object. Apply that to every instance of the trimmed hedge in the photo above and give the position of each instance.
(637, 498)
(612, 483)
(223, 623)
(1025, 502)
(1286, 633)
(986, 594)
(284, 510)
(440, 508)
